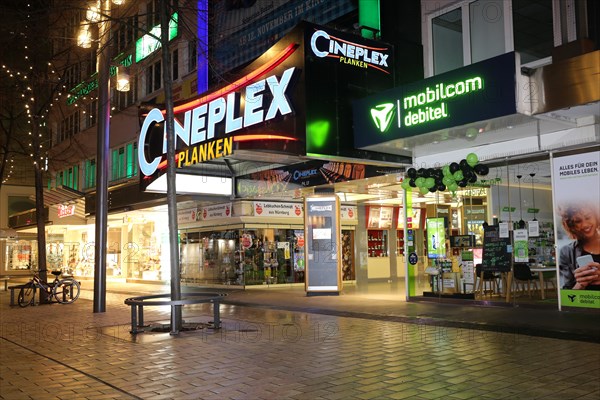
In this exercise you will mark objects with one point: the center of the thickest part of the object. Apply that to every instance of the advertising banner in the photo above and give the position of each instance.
(215, 212)
(246, 29)
(521, 245)
(380, 217)
(436, 238)
(187, 215)
(576, 188)
(274, 209)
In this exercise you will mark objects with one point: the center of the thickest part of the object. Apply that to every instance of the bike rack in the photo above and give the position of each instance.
(138, 303)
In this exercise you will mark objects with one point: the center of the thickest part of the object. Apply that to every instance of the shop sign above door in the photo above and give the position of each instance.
(474, 93)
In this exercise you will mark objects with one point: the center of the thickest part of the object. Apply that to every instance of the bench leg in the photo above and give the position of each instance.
(140, 316)
(133, 320)
(217, 314)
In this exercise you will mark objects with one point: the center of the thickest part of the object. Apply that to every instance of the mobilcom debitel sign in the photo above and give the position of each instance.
(478, 92)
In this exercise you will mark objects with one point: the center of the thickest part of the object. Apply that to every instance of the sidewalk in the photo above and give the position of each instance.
(583, 325)
(347, 347)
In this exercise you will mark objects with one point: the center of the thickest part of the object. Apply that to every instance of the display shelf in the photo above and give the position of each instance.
(399, 243)
(377, 243)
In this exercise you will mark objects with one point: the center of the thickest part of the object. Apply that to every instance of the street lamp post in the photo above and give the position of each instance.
(102, 150)
(100, 12)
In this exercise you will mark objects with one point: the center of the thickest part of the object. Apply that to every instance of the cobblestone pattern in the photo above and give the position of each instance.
(66, 351)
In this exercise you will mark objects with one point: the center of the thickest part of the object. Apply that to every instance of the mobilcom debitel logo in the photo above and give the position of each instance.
(382, 115)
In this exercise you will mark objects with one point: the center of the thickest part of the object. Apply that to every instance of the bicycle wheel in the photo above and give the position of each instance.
(66, 291)
(26, 294)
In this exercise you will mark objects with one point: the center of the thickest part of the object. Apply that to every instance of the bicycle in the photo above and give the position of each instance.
(65, 290)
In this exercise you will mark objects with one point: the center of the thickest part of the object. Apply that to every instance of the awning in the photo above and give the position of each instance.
(7, 233)
(61, 195)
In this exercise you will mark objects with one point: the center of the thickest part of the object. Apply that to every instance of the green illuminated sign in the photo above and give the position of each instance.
(477, 92)
(85, 88)
(382, 116)
(150, 42)
(428, 105)
(431, 104)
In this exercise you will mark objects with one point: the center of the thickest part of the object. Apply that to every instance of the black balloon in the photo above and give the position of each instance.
(438, 181)
(431, 172)
(462, 183)
(439, 173)
(411, 173)
(468, 174)
(481, 169)
(473, 178)
(412, 183)
(441, 187)
(433, 189)
(463, 163)
(422, 172)
(454, 167)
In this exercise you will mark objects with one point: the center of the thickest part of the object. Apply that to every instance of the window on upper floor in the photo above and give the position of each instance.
(68, 177)
(124, 162)
(175, 65)
(68, 127)
(90, 174)
(152, 13)
(72, 75)
(533, 29)
(153, 77)
(192, 55)
(473, 31)
(90, 114)
(127, 33)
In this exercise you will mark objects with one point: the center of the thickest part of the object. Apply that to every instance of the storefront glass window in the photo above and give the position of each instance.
(21, 255)
(245, 257)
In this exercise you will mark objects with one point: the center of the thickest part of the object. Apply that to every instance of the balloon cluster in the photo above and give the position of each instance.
(450, 177)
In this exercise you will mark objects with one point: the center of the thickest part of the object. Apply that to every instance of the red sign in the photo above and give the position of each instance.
(297, 210)
(246, 240)
(300, 241)
(66, 211)
(258, 209)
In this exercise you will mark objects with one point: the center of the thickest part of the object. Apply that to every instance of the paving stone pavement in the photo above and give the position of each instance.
(66, 351)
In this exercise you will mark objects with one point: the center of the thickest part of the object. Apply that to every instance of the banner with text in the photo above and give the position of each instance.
(576, 188)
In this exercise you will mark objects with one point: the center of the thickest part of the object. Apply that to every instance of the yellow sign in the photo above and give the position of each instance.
(205, 151)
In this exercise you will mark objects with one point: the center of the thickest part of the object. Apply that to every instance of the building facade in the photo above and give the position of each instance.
(537, 66)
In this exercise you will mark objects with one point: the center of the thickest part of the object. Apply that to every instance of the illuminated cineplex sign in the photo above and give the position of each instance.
(428, 105)
(262, 101)
(348, 53)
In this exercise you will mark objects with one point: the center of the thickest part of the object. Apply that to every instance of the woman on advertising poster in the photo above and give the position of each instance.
(579, 261)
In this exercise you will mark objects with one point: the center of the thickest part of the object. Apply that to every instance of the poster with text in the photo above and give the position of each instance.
(576, 187)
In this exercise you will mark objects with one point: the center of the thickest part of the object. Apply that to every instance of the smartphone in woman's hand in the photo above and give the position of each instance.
(584, 260)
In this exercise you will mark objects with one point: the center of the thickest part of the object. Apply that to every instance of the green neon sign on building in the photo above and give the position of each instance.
(150, 42)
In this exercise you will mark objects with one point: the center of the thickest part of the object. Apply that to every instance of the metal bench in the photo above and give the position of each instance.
(138, 303)
(12, 293)
(5, 280)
